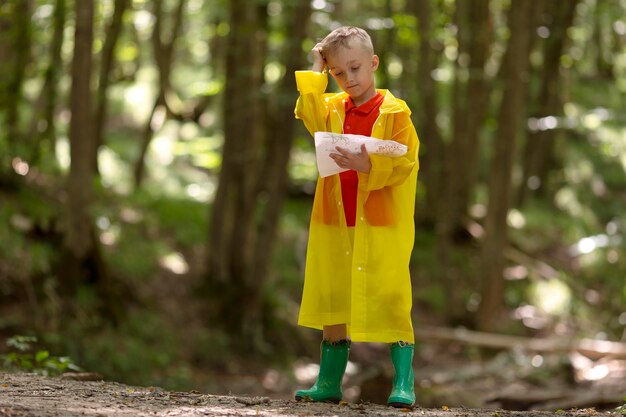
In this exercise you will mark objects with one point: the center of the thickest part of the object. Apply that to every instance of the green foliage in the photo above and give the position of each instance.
(24, 357)
(144, 350)
(622, 408)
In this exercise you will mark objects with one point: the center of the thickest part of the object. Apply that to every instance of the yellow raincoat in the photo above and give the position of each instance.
(366, 285)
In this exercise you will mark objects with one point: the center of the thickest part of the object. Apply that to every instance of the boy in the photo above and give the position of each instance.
(357, 283)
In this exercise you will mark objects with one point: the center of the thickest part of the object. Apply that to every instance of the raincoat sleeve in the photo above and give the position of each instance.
(311, 107)
(387, 171)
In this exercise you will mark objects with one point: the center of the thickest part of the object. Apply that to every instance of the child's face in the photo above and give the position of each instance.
(353, 68)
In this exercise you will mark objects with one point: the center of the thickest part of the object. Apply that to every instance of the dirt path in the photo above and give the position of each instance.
(28, 395)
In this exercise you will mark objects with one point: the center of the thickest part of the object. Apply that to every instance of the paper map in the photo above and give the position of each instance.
(326, 143)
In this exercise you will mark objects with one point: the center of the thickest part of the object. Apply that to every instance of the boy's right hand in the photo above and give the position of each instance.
(319, 63)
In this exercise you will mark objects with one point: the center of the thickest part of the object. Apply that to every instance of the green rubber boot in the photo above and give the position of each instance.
(327, 388)
(403, 391)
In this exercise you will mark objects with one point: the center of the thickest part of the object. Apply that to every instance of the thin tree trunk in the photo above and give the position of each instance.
(21, 41)
(604, 64)
(470, 103)
(43, 123)
(80, 244)
(453, 164)
(233, 233)
(478, 48)
(106, 64)
(81, 261)
(431, 149)
(163, 51)
(279, 138)
(6, 60)
(385, 47)
(539, 157)
(513, 74)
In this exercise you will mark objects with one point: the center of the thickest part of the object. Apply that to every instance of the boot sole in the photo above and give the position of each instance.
(311, 400)
(401, 405)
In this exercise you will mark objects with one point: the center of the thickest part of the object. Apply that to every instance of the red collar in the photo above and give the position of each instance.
(367, 107)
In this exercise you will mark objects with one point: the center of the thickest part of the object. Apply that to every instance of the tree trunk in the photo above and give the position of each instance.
(539, 157)
(385, 47)
(6, 60)
(81, 261)
(163, 51)
(463, 170)
(79, 233)
(470, 105)
(431, 147)
(602, 25)
(461, 156)
(21, 46)
(43, 124)
(513, 76)
(279, 138)
(233, 234)
(106, 64)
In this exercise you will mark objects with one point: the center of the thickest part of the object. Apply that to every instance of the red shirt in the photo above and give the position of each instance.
(359, 121)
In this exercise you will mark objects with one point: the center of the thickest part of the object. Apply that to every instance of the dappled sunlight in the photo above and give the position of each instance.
(306, 373)
(589, 244)
(115, 172)
(138, 97)
(567, 201)
(62, 152)
(20, 167)
(109, 233)
(162, 146)
(551, 296)
(543, 123)
(175, 262)
(516, 219)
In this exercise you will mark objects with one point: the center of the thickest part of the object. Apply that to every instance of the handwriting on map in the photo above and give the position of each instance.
(326, 143)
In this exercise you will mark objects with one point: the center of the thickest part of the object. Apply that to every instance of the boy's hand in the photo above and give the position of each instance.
(318, 59)
(356, 161)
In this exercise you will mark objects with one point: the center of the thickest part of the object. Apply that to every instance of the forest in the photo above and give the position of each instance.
(156, 192)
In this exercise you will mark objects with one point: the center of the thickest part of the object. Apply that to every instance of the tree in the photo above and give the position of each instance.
(233, 234)
(44, 109)
(279, 138)
(459, 160)
(470, 106)
(253, 179)
(539, 156)
(113, 31)
(15, 41)
(81, 261)
(513, 77)
(163, 53)
(431, 146)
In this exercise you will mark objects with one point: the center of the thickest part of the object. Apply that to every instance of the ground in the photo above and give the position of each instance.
(30, 395)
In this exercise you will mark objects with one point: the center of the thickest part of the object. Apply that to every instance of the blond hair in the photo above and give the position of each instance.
(345, 36)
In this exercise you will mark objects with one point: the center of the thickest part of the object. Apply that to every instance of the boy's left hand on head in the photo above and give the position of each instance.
(356, 161)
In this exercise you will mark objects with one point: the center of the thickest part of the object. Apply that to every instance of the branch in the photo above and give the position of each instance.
(589, 347)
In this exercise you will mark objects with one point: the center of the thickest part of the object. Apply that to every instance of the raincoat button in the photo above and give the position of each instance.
(348, 252)
(338, 203)
(360, 269)
(362, 218)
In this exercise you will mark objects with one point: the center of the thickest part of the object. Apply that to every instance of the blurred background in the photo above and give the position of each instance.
(155, 192)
